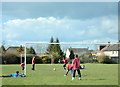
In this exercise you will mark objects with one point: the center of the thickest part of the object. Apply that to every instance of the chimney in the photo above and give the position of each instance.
(118, 41)
(108, 44)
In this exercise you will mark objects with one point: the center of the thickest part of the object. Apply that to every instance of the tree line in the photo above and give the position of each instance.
(14, 58)
(53, 51)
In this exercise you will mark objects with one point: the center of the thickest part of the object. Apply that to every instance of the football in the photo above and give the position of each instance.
(54, 69)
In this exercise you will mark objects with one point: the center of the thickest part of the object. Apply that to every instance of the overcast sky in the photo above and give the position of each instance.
(70, 22)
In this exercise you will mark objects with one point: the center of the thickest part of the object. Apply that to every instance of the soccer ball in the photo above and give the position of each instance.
(54, 69)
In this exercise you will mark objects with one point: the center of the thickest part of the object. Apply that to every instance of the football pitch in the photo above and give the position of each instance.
(94, 74)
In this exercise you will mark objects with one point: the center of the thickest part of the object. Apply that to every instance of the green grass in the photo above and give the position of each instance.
(94, 74)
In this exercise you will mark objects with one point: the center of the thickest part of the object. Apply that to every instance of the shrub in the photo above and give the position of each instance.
(84, 58)
(102, 58)
(10, 58)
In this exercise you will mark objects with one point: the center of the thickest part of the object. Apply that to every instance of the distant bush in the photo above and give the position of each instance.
(13, 59)
(10, 59)
(84, 58)
(102, 58)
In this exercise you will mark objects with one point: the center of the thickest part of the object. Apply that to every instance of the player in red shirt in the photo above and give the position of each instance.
(52, 61)
(33, 63)
(65, 63)
(22, 65)
(76, 67)
(69, 68)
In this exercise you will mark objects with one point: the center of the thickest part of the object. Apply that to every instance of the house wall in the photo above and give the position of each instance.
(111, 53)
(77, 52)
(67, 53)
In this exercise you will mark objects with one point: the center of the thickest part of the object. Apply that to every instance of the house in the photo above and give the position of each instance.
(110, 50)
(77, 51)
(99, 50)
(12, 50)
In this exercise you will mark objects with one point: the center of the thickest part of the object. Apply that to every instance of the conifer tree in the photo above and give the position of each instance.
(20, 50)
(71, 54)
(55, 49)
(2, 49)
(58, 48)
(51, 46)
(30, 50)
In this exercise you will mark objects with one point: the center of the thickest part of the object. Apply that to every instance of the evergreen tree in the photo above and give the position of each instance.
(27, 51)
(52, 40)
(2, 49)
(58, 48)
(30, 50)
(71, 54)
(20, 50)
(57, 40)
(51, 46)
(55, 49)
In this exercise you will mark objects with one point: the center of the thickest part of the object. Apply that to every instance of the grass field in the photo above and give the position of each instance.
(94, 74)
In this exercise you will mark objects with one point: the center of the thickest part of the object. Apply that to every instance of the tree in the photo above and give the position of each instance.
(20, 50)
(10, 59)
(54, 49)
(52, 40)
(2, 49)
(45, 58)
(71, 56)
(30, 51)
(85, 58)
(51, 46)
(58, 48)
(102, 58)
(2, 52)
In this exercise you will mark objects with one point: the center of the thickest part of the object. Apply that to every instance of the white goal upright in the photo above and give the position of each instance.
(23, 60)
(41, 47)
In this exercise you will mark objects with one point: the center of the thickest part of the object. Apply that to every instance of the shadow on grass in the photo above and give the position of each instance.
(91, 78)
(94, 79)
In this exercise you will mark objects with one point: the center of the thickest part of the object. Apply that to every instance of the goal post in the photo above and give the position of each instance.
(23, 60)
(41, 47)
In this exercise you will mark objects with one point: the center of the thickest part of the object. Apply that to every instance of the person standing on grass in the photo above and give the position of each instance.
(76, 67)
(52, 61)
(65, 63)
(59, 61)
(22, 65)
(33, 63)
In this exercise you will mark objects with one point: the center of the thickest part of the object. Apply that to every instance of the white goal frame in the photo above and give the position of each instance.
(63, 43)
(21, 60)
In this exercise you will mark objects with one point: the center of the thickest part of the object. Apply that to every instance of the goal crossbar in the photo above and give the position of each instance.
(72, 43)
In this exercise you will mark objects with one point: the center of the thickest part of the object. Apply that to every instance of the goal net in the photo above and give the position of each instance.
(47, 52)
